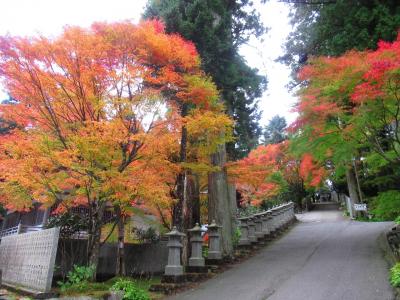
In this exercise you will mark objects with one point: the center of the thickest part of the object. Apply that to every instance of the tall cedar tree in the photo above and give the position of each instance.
(218, 28)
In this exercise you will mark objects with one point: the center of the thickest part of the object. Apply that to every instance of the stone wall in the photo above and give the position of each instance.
(141, 259)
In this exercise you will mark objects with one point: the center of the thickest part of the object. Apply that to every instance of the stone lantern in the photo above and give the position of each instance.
(196, 260)
(214, 246)
(174, 269)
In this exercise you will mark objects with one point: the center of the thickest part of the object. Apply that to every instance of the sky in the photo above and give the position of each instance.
(48, 17)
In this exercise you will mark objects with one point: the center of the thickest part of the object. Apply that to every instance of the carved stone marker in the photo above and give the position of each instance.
(27, 260)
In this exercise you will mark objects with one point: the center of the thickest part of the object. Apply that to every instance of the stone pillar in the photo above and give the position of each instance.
(196, 260)
(214, 246)
(292, 215)
(264, 219)
(259, 232)
(281, 216)
(252, 230)
(244, 230)
(174, 269)
(275, 222)
(270, 223)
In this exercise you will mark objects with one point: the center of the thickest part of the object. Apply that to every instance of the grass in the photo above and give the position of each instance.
(99, 289)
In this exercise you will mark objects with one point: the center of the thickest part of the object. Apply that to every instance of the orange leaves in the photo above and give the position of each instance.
(310, 171)
(99, 115)
(253, 175)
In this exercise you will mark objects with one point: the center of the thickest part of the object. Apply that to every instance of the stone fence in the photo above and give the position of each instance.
(255, 230)
(140, 259)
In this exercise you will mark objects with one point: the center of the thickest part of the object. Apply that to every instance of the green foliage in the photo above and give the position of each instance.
(131, 292)
(148, 235)
(249, 210)
(204, 251)
(78, 278)
(386, 206)
(218, 28)
(395, 275)
(236, 237)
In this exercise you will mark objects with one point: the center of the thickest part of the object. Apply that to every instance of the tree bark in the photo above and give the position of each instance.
(219, 206)
(120, 265)
(352, 185)
(182, 209)
(95, 236)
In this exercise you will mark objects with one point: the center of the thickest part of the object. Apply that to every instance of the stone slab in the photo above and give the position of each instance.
(27, 260)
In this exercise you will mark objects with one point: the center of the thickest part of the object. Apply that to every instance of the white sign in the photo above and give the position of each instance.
(360, 207)
(27, 260)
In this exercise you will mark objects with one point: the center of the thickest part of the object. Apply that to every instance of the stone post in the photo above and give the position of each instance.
(279, 217)
(292, 215)
(270, 224)
(244, 230)
(214, 246)
(264, 219)
(282, 216)
(275, 220)
(174, 269)
(252, 230)
(196, 260)
(259, 232)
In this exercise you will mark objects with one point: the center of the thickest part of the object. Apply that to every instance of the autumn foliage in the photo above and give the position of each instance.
(99, 118)
(257, 176)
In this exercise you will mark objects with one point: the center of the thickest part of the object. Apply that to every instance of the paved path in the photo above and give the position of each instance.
(324, 257)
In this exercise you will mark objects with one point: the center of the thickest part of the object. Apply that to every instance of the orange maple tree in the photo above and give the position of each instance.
(255, 175)
(100, 114)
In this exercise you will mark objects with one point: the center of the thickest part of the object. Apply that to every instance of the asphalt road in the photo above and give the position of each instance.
(324, 257)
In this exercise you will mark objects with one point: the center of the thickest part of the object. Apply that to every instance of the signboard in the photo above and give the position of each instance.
(27, 260)
(360, 207)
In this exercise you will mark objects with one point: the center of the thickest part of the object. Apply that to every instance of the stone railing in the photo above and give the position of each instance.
(263, 226)
(255, 230)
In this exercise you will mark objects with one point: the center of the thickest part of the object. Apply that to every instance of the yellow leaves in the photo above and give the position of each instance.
(199, 90)
(207, 130)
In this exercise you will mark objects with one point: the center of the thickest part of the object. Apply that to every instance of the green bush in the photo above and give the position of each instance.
(131, 292)
(148, 235)
(248, 211)
(395, 275)
(78, 278)
(386, 206)
(397, 220)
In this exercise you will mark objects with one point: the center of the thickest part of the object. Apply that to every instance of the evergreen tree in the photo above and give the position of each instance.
(218, 28)
(274, 132)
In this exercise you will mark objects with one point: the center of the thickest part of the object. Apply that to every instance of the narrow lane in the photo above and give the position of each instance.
(324, 257)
